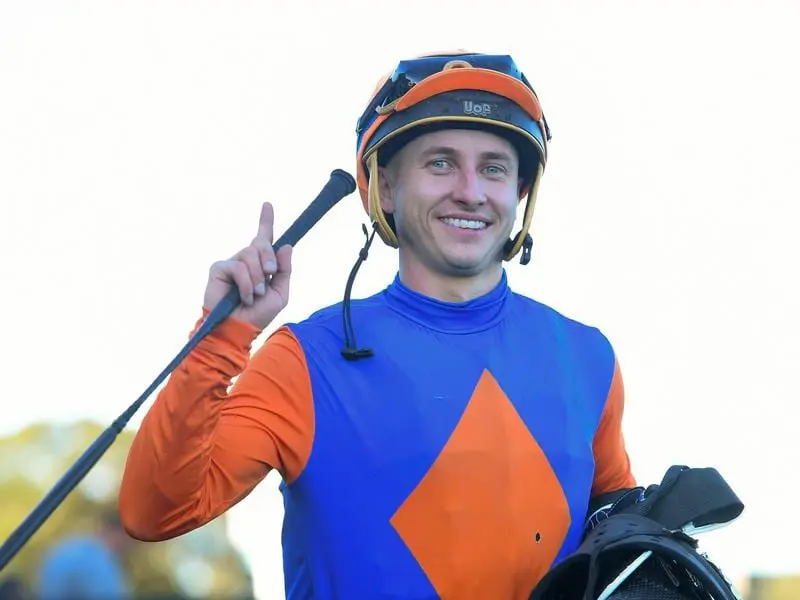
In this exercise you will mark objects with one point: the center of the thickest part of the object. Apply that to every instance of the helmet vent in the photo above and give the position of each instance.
(456, 64)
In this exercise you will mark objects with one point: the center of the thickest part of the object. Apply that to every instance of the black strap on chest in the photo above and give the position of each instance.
(638, 548)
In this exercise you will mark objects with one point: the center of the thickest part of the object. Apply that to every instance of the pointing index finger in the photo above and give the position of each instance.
(265, 223)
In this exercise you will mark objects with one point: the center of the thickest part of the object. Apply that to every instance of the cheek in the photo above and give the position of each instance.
(414, 206)
(508, 207)
(405, 214)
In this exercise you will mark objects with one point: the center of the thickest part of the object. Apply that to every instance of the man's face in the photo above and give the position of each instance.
(453, 194)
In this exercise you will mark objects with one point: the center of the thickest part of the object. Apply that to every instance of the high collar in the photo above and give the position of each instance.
(456, 317)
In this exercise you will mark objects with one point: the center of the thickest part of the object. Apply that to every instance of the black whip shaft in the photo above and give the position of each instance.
(339, 185)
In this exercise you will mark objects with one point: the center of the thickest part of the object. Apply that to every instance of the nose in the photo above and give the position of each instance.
(469, 188)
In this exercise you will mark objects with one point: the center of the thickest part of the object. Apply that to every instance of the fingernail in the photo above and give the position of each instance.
(261, 289)
(270, 266)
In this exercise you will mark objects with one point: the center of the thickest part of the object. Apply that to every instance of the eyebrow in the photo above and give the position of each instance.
(450, 151)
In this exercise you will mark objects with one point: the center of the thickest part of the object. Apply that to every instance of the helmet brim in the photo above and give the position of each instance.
(463, 109)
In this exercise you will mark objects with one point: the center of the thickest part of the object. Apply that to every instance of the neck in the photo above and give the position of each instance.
(448, 288)
(458, 315)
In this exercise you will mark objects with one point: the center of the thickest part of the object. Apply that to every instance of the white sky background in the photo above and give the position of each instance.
(138, 140)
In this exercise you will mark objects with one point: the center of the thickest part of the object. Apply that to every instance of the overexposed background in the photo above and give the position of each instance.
(139, 139)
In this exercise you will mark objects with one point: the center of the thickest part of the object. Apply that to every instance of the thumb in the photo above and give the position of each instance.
(280, 280)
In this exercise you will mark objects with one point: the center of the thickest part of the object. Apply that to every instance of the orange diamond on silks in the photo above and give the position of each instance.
(489, 517)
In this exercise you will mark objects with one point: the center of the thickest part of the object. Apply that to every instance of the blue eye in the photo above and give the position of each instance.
(496, 170)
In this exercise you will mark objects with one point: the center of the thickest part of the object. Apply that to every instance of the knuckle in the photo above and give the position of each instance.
(259, 256)
(245, 257)
(267, 251)
(254, 267)
(241, 270)
(220, 268)
(260, 244)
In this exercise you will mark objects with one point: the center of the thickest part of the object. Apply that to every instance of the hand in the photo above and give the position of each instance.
(260, 274)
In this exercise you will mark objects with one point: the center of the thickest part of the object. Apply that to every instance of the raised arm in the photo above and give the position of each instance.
(201, 449)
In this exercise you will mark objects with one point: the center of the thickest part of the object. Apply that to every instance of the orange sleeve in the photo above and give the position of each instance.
(204, 444)
(612, 464)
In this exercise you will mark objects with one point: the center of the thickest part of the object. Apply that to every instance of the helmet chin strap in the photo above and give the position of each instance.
(522, 241)
(376, 213)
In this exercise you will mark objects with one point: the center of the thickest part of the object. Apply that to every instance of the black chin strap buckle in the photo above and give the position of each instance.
(527, 247)
(356, 353)
(527, 250)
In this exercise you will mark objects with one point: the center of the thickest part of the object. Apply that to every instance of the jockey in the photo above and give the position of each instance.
(454, 450)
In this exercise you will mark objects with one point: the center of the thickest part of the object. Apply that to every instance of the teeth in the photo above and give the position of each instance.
(465, 223)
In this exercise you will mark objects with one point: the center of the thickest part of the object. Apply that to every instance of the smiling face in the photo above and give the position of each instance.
(453, 194)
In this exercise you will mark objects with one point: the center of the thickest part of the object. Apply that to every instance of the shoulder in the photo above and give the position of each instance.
(585, 341)
(323, 330)
(557, 318)
(333, 313)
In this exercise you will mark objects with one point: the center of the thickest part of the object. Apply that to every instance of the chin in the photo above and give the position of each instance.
(462, 265)
(472, 256)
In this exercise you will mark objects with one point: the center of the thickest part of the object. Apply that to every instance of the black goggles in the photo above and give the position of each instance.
(411, 72)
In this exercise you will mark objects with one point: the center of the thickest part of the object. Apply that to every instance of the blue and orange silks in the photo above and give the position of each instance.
(457, 462)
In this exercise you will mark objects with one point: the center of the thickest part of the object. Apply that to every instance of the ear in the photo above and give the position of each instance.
(386, 186)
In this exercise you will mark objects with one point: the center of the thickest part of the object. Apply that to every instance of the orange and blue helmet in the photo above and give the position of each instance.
(457, 89)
